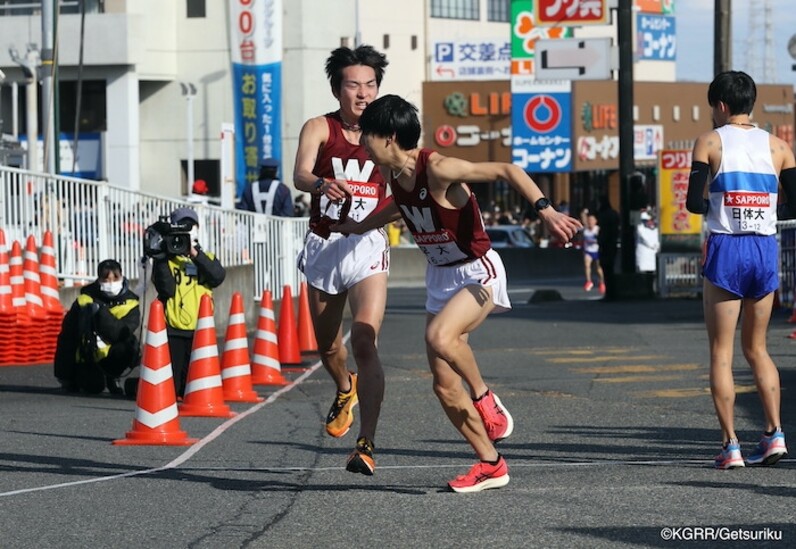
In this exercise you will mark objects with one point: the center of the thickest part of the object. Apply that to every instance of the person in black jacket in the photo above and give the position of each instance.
(97, 342)
(181, 281)
(608, 220)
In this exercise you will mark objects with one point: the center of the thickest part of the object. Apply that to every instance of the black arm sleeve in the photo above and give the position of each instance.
(788, 180)
(695, 201)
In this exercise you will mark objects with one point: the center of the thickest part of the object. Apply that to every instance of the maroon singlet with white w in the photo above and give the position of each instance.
(447, 236)
(339, 159)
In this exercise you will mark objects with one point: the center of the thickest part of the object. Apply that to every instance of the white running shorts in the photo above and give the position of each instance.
(442, 283)
(336, 264)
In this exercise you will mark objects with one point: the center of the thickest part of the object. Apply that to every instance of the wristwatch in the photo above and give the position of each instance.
(541, 204)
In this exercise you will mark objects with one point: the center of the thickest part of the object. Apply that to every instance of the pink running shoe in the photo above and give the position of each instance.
(482, 476)
(588, 286)
(497, 420)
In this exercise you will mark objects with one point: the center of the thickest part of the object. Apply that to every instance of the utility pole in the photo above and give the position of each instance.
(626, 161)
(29, 67)
(51, 151)
(722, 36)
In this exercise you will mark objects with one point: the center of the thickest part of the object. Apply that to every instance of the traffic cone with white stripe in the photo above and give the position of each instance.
(306, 331)
(8, 325)
(6, 306)
(266, 368)
(235, 364)
(30, 272)
(157, 420)
(17, 279)
(49, 278)
(289, 351)
(204, 395)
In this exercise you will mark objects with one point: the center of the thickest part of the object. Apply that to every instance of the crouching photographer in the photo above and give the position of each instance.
(182, 273)
(97, 342)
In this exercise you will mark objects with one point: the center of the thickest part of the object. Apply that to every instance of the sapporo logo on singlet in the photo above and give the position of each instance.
(364, 194)
(747, 209)
(438, 244)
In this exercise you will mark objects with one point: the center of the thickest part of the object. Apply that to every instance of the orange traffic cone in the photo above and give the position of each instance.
(203, 393)
(6, 306)
(235, 365)
(30, 272)
(266, 369)
(16, 278)
(157, 420)
(306, 331)
(289, 351)
(49, 278)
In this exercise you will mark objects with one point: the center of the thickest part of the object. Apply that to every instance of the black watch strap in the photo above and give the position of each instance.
(541, 204)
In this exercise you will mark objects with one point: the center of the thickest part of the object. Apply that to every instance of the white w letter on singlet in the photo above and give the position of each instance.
(420, 218)
(351, 171)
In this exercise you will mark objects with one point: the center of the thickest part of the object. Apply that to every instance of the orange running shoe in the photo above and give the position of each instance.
(361, 459)
(341, 414)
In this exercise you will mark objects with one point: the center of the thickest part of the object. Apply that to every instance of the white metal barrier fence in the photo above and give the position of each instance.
(679, 274)
(91, 221)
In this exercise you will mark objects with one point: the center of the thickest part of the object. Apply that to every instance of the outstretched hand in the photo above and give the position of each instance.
(561, 225)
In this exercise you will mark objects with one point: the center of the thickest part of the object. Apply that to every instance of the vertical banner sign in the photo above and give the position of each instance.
(541, 124)
(541, 117)
(656, 37)
(680, 230)
(256, 36)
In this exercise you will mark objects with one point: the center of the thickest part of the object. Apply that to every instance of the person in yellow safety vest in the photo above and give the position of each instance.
(181, 280)
(97, 343)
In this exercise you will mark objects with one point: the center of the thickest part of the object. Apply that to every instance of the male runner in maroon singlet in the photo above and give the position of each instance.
(465, 278)
(344, 183)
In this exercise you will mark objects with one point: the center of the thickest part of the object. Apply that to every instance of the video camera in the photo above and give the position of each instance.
(166, 239)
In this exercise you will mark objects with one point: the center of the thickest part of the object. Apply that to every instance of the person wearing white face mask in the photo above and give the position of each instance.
(97, 343)
(181, 281)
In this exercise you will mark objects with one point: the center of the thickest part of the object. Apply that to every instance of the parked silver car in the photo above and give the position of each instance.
(509, 236)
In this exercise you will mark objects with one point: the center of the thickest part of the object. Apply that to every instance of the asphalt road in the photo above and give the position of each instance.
(613, 445)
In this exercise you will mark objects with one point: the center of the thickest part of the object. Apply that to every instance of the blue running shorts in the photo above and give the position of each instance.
(744, 265)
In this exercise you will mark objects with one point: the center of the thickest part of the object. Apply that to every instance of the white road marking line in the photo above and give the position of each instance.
(182, 458)
(512, 465)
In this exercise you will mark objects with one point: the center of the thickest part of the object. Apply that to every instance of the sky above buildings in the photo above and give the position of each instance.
(695, 39)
